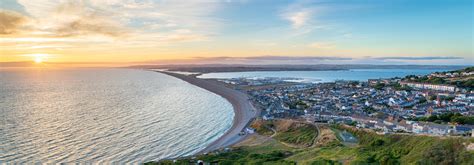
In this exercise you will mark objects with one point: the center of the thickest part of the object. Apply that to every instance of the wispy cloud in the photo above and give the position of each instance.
(275, 58)
(143, 21)
(302, 16)
(70, 27)
(308, 16)
(272, 59)
(11, 22)
(78, 20)
(297, 58)
(298, 19)
(256, 60)
(322, 45)
(59, 20)
(419, 58)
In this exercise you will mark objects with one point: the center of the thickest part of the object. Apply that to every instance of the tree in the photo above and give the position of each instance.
(463, 119)
(379, 86)
(432, 118)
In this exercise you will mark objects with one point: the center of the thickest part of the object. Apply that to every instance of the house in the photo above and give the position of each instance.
(389, 128)
(438, 129)
(449, 88)
(381, 126)
(249, 130)
(403, 126)
(368, 125)
(462, 130)
(418, 114)
(267, 117)
(387, 122)
(419, 128)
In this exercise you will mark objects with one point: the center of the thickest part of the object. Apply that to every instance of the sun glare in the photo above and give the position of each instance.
(39, 58)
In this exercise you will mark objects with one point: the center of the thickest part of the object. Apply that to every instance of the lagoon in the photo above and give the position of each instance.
(324, 76)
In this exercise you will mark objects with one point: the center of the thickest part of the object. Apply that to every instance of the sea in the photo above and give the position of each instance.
(323, 76)
(105, 116)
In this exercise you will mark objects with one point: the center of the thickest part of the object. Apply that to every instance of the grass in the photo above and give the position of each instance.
(271, 145)
(299, 135)
(372, 149)
(288, 131)
(407, 149)
(262, 127)
(334, 154)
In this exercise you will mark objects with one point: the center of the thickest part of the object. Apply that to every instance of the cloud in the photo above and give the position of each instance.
(419, 58)
(307, 16)
(298, 19)
(75, 18)
(301, 16)
(256, 60)
(321, 45)
(56, 20)
(276, 58)
(144, 22)
(88, 26)
(166, 17)
(65, 26)
(11, 22)
(271, 59)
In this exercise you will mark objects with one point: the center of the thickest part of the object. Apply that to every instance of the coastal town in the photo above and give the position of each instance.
(291, 120)
(386, 106)
(237, 82)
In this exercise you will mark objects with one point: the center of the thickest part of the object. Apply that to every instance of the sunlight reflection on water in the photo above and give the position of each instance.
(105, 115)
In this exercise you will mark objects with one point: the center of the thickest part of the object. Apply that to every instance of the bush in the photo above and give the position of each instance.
(377, 143)
(324, 162)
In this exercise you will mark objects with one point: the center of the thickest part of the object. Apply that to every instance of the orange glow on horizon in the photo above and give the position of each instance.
(38, 58)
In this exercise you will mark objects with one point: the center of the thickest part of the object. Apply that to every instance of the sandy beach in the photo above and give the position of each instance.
(243, 109)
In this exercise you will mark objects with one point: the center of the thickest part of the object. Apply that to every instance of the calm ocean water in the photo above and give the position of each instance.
(325, 76)
(105, 115)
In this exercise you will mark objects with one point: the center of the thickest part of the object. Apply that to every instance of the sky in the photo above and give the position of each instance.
(126, 32)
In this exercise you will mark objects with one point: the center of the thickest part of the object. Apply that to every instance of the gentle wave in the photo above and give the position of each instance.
(105, 116)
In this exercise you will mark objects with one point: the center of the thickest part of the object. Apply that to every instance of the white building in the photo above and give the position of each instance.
(430, 86)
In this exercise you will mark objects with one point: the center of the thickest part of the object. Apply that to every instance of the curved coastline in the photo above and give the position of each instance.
(243, 109)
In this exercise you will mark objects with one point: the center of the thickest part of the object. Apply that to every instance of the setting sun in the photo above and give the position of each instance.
(39, 58)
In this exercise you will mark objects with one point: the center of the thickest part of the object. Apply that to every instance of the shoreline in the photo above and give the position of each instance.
(244, 111)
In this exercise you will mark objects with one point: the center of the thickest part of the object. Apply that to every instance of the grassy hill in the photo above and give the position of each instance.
(371, 149)
(409, 149)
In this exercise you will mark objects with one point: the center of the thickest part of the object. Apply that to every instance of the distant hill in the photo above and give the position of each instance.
(242, 68)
